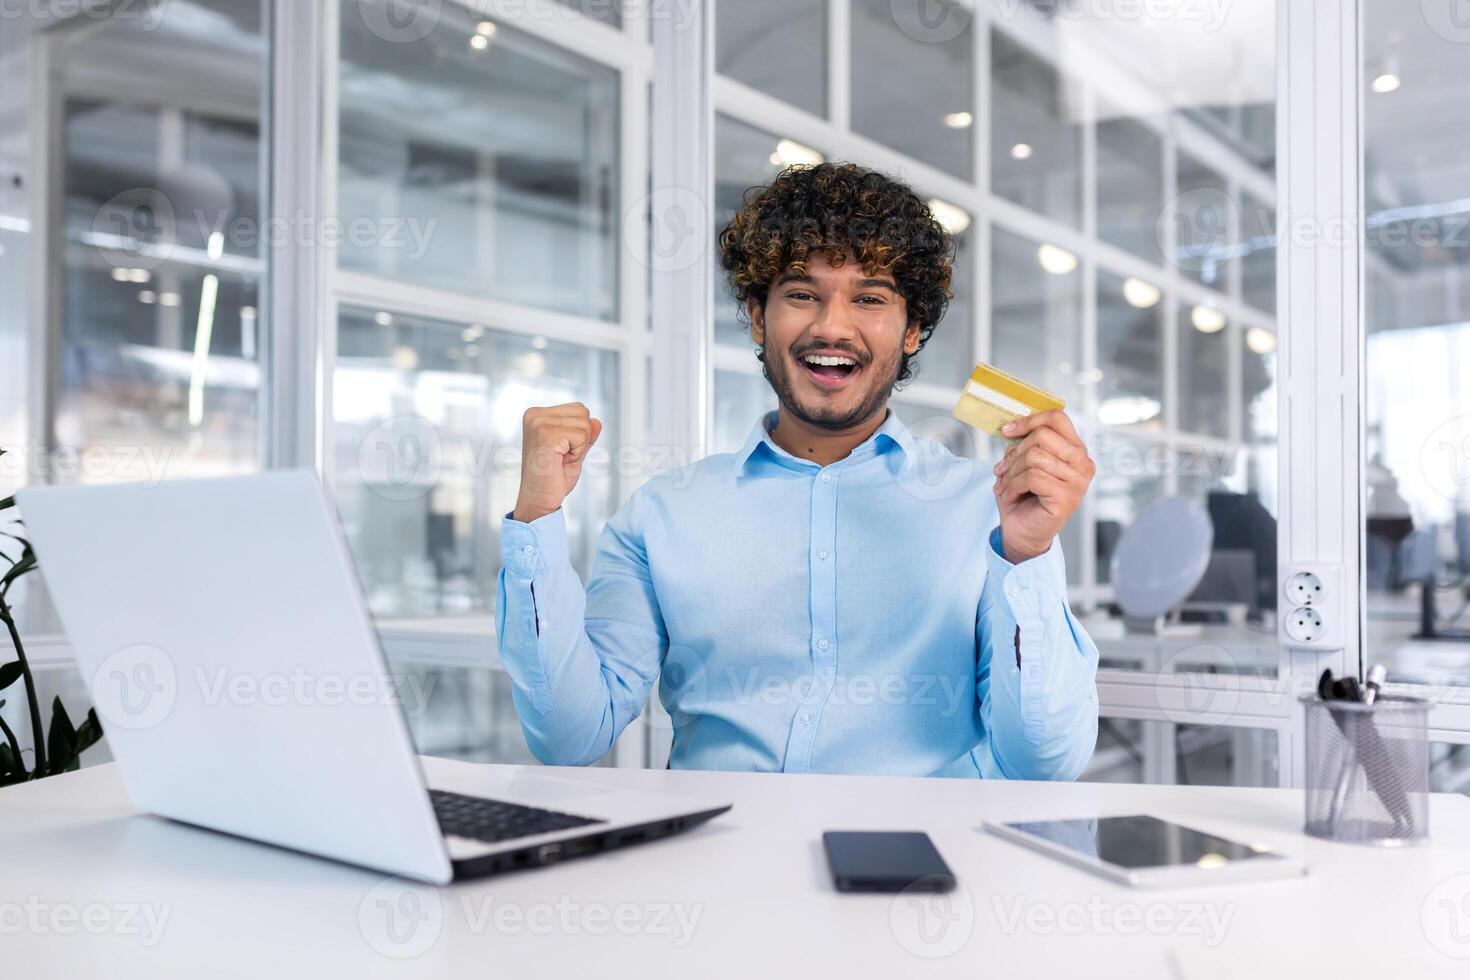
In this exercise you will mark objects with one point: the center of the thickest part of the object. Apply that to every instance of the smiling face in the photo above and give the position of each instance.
(834, 340)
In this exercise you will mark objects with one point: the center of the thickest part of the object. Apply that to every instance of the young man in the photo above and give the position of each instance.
(837, 596)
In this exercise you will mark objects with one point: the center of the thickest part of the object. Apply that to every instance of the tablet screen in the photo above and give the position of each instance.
(1141, 842)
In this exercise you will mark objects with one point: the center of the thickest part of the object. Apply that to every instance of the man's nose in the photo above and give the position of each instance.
(835, 324)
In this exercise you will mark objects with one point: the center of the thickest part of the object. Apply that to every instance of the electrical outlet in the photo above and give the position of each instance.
(1304, 624)
(1312, 613)
(1304, 589)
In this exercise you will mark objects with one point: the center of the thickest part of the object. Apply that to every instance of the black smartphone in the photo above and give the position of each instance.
(885, 861)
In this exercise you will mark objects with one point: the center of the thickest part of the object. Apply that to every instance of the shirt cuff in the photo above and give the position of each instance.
(529, 550)
(1028, 585)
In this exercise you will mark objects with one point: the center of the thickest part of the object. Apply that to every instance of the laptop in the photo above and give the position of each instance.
(238, 677)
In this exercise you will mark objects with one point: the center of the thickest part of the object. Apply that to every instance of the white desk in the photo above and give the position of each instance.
(752, 883)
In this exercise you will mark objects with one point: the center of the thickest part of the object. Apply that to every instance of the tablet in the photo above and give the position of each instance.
(1147, 852)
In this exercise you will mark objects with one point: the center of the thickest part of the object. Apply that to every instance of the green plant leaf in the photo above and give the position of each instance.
(9, 674)
(61, 741)
(26, 563)
(7, 503)
(89, 733)
(12, 747)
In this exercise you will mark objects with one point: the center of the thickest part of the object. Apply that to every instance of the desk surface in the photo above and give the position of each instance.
(92, 889)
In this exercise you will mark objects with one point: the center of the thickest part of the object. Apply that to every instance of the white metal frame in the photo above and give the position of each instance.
(1318, 376)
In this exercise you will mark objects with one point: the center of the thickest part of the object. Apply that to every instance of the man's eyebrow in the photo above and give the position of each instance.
(793, 277)
(877, 284)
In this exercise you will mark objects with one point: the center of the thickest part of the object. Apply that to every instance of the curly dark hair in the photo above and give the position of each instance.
(841, 209)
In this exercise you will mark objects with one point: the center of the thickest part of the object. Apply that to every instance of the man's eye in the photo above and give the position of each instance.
(871, 300)
(800, 296)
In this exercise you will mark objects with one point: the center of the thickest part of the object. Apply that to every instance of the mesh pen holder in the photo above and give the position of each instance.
(1367, 770)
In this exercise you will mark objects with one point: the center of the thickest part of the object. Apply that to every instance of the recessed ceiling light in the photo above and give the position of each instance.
(121, 275)
(1207, 319)
(383, 318)
(147, 297)
(790, 153)
(168, 299)
(959, 120)
(951, 218)
(486, 28)
(479, 42)
(1021, 151)
(139, 275)
(1385, 83)
(1260, 340)
(1139, 293)
(1056, 260)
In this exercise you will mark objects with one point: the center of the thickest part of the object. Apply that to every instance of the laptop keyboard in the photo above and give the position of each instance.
(496, 820)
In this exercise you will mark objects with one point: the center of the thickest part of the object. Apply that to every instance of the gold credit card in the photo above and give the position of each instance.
(992, 399)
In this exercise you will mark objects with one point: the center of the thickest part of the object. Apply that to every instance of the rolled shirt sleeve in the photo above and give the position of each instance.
(1037, 676)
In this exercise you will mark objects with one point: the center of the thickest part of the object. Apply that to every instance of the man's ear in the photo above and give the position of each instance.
(757, 321)
(911, 337)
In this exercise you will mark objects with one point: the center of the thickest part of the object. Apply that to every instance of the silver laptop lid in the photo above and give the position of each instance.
(222, 635)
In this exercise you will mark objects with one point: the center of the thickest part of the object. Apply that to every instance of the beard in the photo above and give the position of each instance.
(880, 375)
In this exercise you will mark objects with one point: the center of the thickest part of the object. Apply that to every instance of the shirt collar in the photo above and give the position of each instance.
(892, 434)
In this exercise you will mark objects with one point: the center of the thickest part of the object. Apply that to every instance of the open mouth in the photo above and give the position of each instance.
(829, 369)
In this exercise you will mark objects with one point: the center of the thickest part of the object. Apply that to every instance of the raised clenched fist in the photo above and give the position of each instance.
(554, 444)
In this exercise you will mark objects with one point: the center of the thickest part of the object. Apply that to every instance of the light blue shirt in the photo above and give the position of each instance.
(858, 617)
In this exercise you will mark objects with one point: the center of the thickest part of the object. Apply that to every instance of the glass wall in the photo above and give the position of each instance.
(1417, 411)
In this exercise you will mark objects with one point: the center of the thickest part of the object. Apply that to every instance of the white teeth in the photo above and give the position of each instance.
(828, 360)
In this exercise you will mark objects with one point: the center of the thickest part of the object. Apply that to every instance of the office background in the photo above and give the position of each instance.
(1111, 182)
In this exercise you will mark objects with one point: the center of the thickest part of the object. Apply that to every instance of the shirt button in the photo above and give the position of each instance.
(527, 550)
(806, 719)
(822, 643)
(826, 477)
(822, 555)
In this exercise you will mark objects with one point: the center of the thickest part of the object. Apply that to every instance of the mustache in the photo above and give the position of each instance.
(852, 352)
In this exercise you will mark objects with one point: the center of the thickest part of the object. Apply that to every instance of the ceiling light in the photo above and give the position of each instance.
(203, 331)
(168, 299)
(952, 219)
(790, 153)
(247, 313)
(472, 350)
(405, 358)
(538, 342)
(1057, 261)
(1128, 410)
(1207, 319)
(147, 297)
(959, 120)
(1385, 83)
(216, 247)
(1021, 151)
(120, 274)
(1139, 293)
(383, 318)
(479, 42)
(1260, 340)
(485, 28)
(472, 333)
(139, 275)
